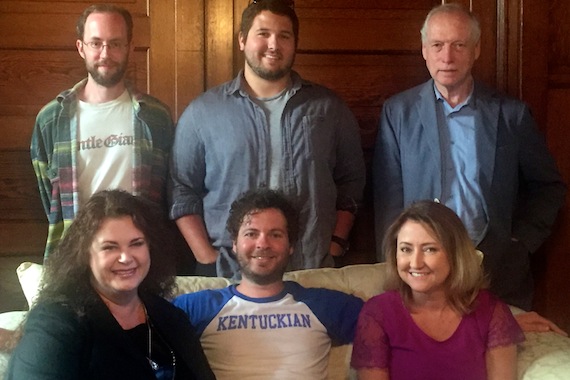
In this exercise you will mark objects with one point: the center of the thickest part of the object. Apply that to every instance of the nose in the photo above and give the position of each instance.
(262, 242)
(447, 53)
(125, 257)
(272, 42)
(417, 259)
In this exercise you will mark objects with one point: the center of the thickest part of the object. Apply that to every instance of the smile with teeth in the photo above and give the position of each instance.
(417, 274)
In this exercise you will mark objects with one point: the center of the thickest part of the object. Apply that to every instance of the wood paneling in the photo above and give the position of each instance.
(365, 50)
(38, 60)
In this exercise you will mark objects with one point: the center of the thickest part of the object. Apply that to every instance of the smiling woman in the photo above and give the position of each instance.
(436, 320)
(100, 313)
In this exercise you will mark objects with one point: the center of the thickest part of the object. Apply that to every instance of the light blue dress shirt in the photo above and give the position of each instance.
(460, 188)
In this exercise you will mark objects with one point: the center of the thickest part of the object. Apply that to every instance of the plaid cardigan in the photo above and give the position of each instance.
(54, 151)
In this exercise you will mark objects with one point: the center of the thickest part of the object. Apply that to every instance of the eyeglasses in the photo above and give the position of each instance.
(98, 45)
(289, 3)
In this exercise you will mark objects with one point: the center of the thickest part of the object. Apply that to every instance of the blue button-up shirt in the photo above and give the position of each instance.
(461, 190)
(222, 148)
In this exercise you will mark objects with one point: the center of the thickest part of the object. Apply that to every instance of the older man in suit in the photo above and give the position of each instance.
(480, 153)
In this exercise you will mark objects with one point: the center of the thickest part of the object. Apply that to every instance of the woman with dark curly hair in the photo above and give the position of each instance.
(101, 313)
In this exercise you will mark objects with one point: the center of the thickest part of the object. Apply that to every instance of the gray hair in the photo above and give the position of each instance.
(450, 8)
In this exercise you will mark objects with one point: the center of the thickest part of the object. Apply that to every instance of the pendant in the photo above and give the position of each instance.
(153, 365)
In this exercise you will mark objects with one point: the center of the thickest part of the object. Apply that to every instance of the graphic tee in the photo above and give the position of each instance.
(105, 137)
(283, 337)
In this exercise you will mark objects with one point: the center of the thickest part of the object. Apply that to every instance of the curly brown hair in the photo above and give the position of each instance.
(67, 276)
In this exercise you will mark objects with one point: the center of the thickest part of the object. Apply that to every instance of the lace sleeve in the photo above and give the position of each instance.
(371, 347)
(503, 328)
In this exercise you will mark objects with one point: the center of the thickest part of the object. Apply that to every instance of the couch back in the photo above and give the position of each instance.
(363, 280)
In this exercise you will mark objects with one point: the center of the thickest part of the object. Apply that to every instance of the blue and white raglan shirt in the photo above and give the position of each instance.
(287, 336)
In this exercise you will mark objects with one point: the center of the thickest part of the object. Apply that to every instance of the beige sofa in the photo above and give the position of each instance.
(543, 356)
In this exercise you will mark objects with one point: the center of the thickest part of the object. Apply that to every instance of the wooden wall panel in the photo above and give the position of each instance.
(365, 50)
(190, 53)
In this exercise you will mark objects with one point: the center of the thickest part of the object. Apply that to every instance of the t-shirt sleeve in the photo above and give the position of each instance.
(202, 307)
(503, 328)
(371, 348)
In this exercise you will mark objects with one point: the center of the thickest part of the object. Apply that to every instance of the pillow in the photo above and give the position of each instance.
(361, 280)
(191, 284)
(30, 277)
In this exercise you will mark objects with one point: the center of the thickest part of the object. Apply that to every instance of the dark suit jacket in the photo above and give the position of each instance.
(521, 185)
(60, 344)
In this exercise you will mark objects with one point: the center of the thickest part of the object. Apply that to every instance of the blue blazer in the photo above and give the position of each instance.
(521, 185)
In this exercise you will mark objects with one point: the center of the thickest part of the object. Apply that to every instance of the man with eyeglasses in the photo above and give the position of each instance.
(268, 128)
(100, 134)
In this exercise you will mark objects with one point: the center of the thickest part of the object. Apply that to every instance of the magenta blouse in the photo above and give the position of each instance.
(387, 337)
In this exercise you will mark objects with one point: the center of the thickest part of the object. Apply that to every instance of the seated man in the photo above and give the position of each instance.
(265, 327)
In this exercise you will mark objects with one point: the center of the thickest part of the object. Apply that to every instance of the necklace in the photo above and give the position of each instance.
(164, 372)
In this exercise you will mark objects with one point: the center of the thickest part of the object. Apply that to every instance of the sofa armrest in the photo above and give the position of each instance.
(10, 321)
(544, 355)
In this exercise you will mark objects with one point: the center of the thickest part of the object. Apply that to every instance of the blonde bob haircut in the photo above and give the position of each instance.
(466, 276)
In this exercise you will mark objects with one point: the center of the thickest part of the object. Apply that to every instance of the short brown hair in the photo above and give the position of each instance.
(279, 7)
(104, 8)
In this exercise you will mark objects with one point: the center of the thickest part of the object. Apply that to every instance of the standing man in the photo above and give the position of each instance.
(267, 128)
(101, 134)
(478, 152)
(266, 328)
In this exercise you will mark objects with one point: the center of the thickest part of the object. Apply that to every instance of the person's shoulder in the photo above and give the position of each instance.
(410, 95)
(203, 296)
(484, 93)
(153, 103)
(315, 90)
(50, 111)
(385, 297)
(302, 293)
(54, 316)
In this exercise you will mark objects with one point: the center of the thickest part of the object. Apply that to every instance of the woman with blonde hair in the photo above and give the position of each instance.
(436, 320)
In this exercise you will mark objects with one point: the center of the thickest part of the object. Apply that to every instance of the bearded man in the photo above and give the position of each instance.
(267, 128)
(264, 327)
(102, 133)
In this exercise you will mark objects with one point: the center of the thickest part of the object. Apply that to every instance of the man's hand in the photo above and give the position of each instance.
(534, 322)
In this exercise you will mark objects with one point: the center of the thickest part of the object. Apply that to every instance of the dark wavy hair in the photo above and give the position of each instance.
(104, 8)
(278, 7)
(256, 200)
(67, 274)
(466, 275)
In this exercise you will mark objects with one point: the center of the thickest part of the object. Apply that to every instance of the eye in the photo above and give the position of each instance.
(249, 234)
(114, 44)
(95, 44)
(405, 249)
(108, 247)
(278, 235)
(138, 243)
(459, 46)
(431, 250)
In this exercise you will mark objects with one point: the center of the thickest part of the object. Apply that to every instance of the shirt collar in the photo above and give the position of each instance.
(238, 85)
(470, 101)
